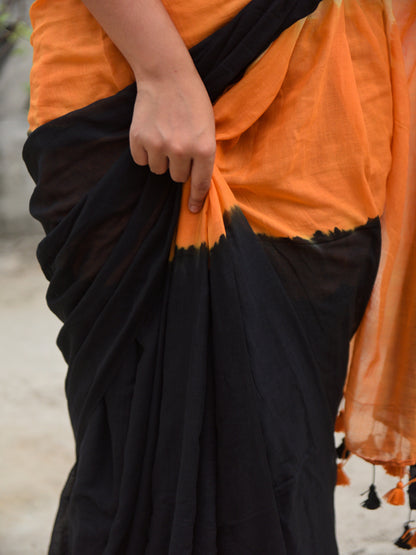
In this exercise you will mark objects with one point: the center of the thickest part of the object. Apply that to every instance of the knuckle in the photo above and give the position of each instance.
(134, 142)
(138, 155)
(139, 160)
(179, 150)
(156, 144)
(158, 170)
(179, 177)
(158, 165)
(133, 131)
(206, 149)
(135, 138)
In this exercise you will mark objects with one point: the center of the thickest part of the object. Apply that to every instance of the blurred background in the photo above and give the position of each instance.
(36, 445)
(35, 439)
(15, 61)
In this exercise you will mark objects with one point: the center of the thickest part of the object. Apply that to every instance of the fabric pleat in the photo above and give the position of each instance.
(207, 355)
(202, 390)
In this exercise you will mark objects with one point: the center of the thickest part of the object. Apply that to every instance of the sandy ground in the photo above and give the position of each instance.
(36, 447)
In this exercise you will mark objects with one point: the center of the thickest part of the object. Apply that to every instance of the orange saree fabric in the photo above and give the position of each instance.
(381, 389)
(70, 47)
(315, 136)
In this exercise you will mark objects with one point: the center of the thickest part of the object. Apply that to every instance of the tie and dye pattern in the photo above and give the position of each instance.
(381, 389)
(207, 354)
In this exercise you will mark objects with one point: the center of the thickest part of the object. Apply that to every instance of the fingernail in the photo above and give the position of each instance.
(194, 208)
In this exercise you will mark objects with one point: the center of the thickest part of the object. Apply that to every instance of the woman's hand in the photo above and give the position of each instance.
(173, 129)
(173, 123)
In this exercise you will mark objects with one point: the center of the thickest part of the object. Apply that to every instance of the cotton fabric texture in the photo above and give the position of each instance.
(207, 354)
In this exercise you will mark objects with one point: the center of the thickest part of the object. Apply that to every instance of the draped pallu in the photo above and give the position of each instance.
(207, 354)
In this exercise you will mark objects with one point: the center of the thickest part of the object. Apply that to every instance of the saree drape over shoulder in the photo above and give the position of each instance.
(207, 354)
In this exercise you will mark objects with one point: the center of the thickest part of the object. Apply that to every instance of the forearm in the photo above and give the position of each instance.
(146, 36)
(173, 125)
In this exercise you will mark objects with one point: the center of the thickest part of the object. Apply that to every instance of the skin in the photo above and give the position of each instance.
(173, 124)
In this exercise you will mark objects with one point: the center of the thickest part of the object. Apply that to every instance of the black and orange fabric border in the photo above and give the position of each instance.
(203, 381)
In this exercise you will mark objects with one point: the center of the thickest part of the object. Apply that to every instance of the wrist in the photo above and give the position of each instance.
(174, 64)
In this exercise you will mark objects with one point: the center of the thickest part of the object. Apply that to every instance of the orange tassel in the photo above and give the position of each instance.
(404, 541)
(342, 478)
(412, 540)
(340, 422)
(396, 495)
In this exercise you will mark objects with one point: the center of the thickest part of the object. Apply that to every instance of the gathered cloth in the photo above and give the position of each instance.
(207, 354)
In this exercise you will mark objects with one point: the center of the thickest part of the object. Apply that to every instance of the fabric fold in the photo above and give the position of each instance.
(207, 354)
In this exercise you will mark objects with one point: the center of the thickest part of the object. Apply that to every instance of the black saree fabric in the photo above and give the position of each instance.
(202, 385)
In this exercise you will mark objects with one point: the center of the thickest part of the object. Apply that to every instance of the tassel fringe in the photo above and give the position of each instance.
(412, 540)
(342, 451)
(404, 539)
(396, 495)
(340, 422)
(373, 501)
(342, 478)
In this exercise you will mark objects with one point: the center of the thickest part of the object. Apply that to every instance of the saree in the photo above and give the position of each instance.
(207, 354)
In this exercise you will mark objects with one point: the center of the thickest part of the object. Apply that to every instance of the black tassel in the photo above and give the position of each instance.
(373, 501)
(412, 488)
(404, 538)
(342, 452)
